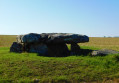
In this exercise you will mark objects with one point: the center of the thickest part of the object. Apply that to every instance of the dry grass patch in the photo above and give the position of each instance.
(7, 40)
(103, 43)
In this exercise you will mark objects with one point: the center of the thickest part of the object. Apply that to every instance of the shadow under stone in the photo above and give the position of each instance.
(82, 52)
(61, 50)
(57, 50)
(76, 50)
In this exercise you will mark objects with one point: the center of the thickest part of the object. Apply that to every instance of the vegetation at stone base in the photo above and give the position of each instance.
(28, 67)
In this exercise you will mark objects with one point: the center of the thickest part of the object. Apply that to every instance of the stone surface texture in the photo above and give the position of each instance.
(103, 52)
(52, 38)
(16, 47)
(38, 48)
(54, 44)
(50, 44)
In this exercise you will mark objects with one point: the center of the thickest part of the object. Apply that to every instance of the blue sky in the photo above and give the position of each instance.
(95, 18)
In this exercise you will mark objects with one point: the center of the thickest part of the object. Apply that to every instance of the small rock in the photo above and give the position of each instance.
(16, 47)
(103, 52)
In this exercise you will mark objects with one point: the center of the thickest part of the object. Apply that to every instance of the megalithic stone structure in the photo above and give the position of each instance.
(50, 44)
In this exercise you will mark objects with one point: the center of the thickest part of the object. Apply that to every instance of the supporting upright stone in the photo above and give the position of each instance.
(59, 50)
(75, 49)
(41, 48)
(16, 47)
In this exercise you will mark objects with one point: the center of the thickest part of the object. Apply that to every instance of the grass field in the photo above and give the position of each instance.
(30, 68)
(7, 40)
(107, 43)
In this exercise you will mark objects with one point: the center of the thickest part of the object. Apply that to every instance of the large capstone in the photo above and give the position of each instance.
(64, 38)
(52, 38)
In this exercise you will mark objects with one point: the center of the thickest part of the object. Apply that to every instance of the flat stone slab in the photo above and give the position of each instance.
(52, 38)
(103, 52)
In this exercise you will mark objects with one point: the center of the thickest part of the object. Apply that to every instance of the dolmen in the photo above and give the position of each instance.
(48, 44)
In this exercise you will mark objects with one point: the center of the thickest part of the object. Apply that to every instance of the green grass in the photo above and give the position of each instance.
(28, 67)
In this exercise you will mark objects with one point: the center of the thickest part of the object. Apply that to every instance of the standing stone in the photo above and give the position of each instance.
(16, 47)
(41, 49)
(59, 50)
(75, 49)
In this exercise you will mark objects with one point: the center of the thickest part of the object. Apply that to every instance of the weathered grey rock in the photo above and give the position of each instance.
(19, 38)
(16, 47)
(29, 38)
(65, 38)
(50, 44)
(52, 38)
(103, 52)
(42, 49)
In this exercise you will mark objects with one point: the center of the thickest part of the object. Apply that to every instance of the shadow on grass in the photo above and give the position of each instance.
(78, 52)
(81, 52)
